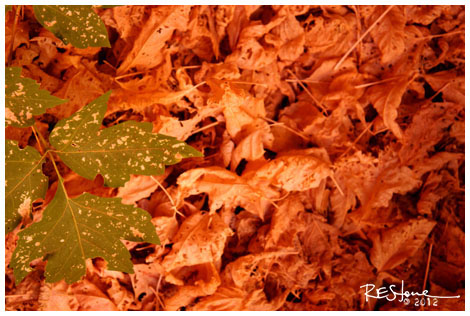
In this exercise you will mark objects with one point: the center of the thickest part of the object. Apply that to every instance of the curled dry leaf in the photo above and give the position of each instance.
(393, 246)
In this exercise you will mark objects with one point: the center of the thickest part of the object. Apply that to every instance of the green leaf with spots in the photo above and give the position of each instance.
(24, 99)
(78, 25)
(73, 230)
(24, 182)
(115, 152)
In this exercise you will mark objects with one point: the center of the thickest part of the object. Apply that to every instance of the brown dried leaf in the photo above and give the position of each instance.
(391, 247)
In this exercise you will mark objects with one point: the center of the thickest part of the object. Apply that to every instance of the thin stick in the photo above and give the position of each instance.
(362, 37)
(365, 85)
(204, 128)
(308, 81)
(107, 63)
(286, 127)
(427, 267)
(157, 294)
(173, 205)
(15, 23)
(440, 35)
(439, 91)
(336, 184)
(253, 83)
(188, 67)
(309, 93)
(357, 139)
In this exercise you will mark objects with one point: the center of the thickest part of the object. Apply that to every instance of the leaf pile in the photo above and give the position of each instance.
(329, 163)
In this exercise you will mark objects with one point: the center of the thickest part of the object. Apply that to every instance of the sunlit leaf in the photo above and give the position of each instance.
(24, 99)
(24, 182)
(73, 230)
(115, 152)
(78, 25)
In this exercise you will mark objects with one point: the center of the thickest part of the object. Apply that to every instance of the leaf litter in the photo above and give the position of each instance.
(333, 141)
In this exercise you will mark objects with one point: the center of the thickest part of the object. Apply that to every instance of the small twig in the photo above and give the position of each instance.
(286, 127)
(439, 91)
(357, 139)
(204, 128)
(337, 184)
(440, 35)
(172, 202)
(253, 83)
(427, 267)
(157, 293)
(309, 93)
(308, 81)
(107, 63)
(365, 85)
(13, 32)
(362, 37)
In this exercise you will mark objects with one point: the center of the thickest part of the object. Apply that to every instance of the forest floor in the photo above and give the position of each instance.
(333, 141)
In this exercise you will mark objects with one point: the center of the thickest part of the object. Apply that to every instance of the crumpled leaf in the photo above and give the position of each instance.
(389, 33)
(78, 25)
(386, 100)
(24, 182)
(24, 99)
(224, 188)
(57, 297)
(146, 52)
(129, 147)
(200, 239)
(393, 246)
(73, 230)
(294, 171)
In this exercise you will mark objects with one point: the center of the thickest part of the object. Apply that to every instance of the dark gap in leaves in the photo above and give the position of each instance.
(269, 154)
(370, 113)
(141, 296)
(438, 98)
(205, 205)
(441, 67)
(264, 13)
(241, 166)
(428, 91)
(102, 56)
(294, 299)
(224, 46)
(284, 102)
(61, 50)
(238, 210)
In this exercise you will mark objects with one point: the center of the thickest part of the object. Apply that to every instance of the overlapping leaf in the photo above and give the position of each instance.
(24, 99)
(115, 152)
(73, 230)
(78, 25)
(24, 182)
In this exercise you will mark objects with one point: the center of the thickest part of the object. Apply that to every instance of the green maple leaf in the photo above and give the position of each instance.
(24, 182)
(24, 99)
(73, 230)
(115, 152)
(78, 25)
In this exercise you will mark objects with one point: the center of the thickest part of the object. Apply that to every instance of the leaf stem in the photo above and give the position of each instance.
(35, 132)
(59, 177)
